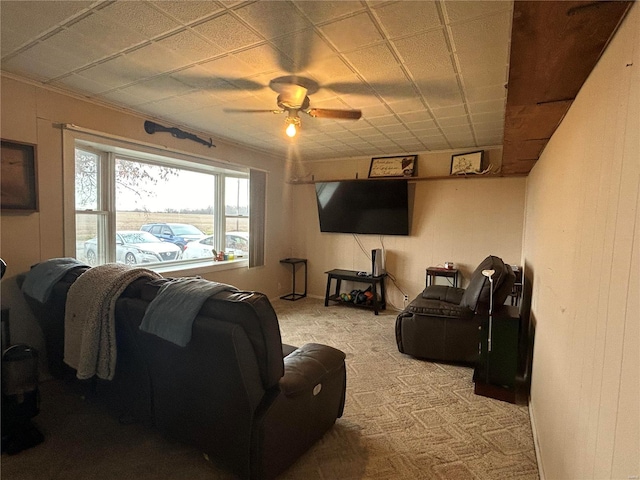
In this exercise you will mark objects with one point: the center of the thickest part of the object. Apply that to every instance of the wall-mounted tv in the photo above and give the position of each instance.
(364, 206)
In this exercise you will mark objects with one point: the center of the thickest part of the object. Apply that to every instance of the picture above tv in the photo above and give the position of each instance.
(379, 207)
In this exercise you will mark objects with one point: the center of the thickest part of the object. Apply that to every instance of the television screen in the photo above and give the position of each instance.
(364, 206)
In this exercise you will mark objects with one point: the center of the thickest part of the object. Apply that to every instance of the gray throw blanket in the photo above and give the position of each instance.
(89, 322)
(39, 281)
(171, 313)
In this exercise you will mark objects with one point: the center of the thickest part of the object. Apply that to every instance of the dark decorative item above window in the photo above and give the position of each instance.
(403, 166)
(152, 127)
(18, 177)
(467, 163)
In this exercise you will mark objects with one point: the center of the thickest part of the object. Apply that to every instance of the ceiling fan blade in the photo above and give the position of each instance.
(329, 113)
(250, 110)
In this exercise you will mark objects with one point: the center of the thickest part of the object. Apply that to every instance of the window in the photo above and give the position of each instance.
(144, 209)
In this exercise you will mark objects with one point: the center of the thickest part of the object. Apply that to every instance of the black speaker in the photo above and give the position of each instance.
(377, 262)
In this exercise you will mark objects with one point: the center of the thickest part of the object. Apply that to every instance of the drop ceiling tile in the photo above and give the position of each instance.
(32, 68)
(121, 98)
(484, 41)
(488, 117)
(153, 59)
(372, 59)
(375, 111)
(41, 54)
(490, 139)
(405, 18)
(115, 73)
(384, 121)
(462, 11)
(423, 128)
(172, 106)
(436, 144)
(406, 105)
(457, 130)
(78, 83)
(461, 142)
(482, 77)
(426, 53)
(264, 58)
(228, 32)
(273, 19)
(394, 129)
(446, 123)
(323, 11)
(330, 69)
(140, 17)
(202, 99)
(489, 127)
(80, 46)
(441, 92)
(11, 39)
(103, 29)
(187, 12)
(188, 47)
(486, 93)
(228, 67)
(392, 84)
(486, 107)
(304, 48)
(352, 32)
(419, 116)
(157, 88)
(34, 20)
(451, 111)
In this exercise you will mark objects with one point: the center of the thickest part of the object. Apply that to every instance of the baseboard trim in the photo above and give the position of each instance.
(536, 444)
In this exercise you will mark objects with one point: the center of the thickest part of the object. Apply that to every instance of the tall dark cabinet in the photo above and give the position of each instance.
(496, 372)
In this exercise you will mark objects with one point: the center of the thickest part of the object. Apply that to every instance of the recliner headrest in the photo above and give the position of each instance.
(479, 288)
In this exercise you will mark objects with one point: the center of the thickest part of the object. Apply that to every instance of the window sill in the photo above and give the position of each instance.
(199, 267)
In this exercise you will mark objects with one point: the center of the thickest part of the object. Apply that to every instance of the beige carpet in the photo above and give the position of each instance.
(404, 419)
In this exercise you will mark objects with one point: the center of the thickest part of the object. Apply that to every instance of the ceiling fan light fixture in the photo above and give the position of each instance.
(293, 123)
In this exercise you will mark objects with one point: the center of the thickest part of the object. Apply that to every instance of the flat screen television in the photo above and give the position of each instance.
(364, 206)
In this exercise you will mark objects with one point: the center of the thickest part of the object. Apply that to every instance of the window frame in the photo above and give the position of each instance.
(126, 149)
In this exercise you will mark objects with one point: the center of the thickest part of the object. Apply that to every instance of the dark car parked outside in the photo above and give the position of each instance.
(177, 233)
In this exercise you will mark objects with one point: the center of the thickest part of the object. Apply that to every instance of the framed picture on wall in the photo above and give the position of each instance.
(392, 166)
(467, 163)
(18, 177)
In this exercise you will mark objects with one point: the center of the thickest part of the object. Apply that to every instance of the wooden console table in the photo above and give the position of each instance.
(352, 276)
(433, 272)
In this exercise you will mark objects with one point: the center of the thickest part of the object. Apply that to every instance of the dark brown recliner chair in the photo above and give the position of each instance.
(442, 322)
(253, 404)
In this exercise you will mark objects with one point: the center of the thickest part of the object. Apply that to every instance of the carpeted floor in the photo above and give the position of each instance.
(404, 419)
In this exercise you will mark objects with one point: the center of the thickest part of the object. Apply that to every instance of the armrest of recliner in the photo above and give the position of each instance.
(438, 308)
(443, 293)
(306, 368)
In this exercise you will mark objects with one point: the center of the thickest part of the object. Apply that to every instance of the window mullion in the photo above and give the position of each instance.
(108, 200)
(219, 223)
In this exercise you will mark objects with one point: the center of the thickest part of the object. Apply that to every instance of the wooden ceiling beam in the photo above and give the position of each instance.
(554, 47)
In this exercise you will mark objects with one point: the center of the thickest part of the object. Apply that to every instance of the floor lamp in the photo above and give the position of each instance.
(489, 275)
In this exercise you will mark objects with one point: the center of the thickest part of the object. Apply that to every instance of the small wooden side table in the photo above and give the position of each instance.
(433, 272)
(293, 262)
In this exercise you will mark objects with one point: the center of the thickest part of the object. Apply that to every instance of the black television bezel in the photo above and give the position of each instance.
(373, 184)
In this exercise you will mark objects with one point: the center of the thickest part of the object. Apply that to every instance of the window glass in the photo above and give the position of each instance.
(237, 216)
(87, 179)
(134, 211)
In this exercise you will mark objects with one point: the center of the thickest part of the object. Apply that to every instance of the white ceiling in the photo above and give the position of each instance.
(427, 75)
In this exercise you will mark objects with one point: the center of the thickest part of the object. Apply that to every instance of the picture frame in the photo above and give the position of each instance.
(399, 166)
(467, 163)
(18, 177)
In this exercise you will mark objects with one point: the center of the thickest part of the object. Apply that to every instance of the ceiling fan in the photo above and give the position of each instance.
(293, 97)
